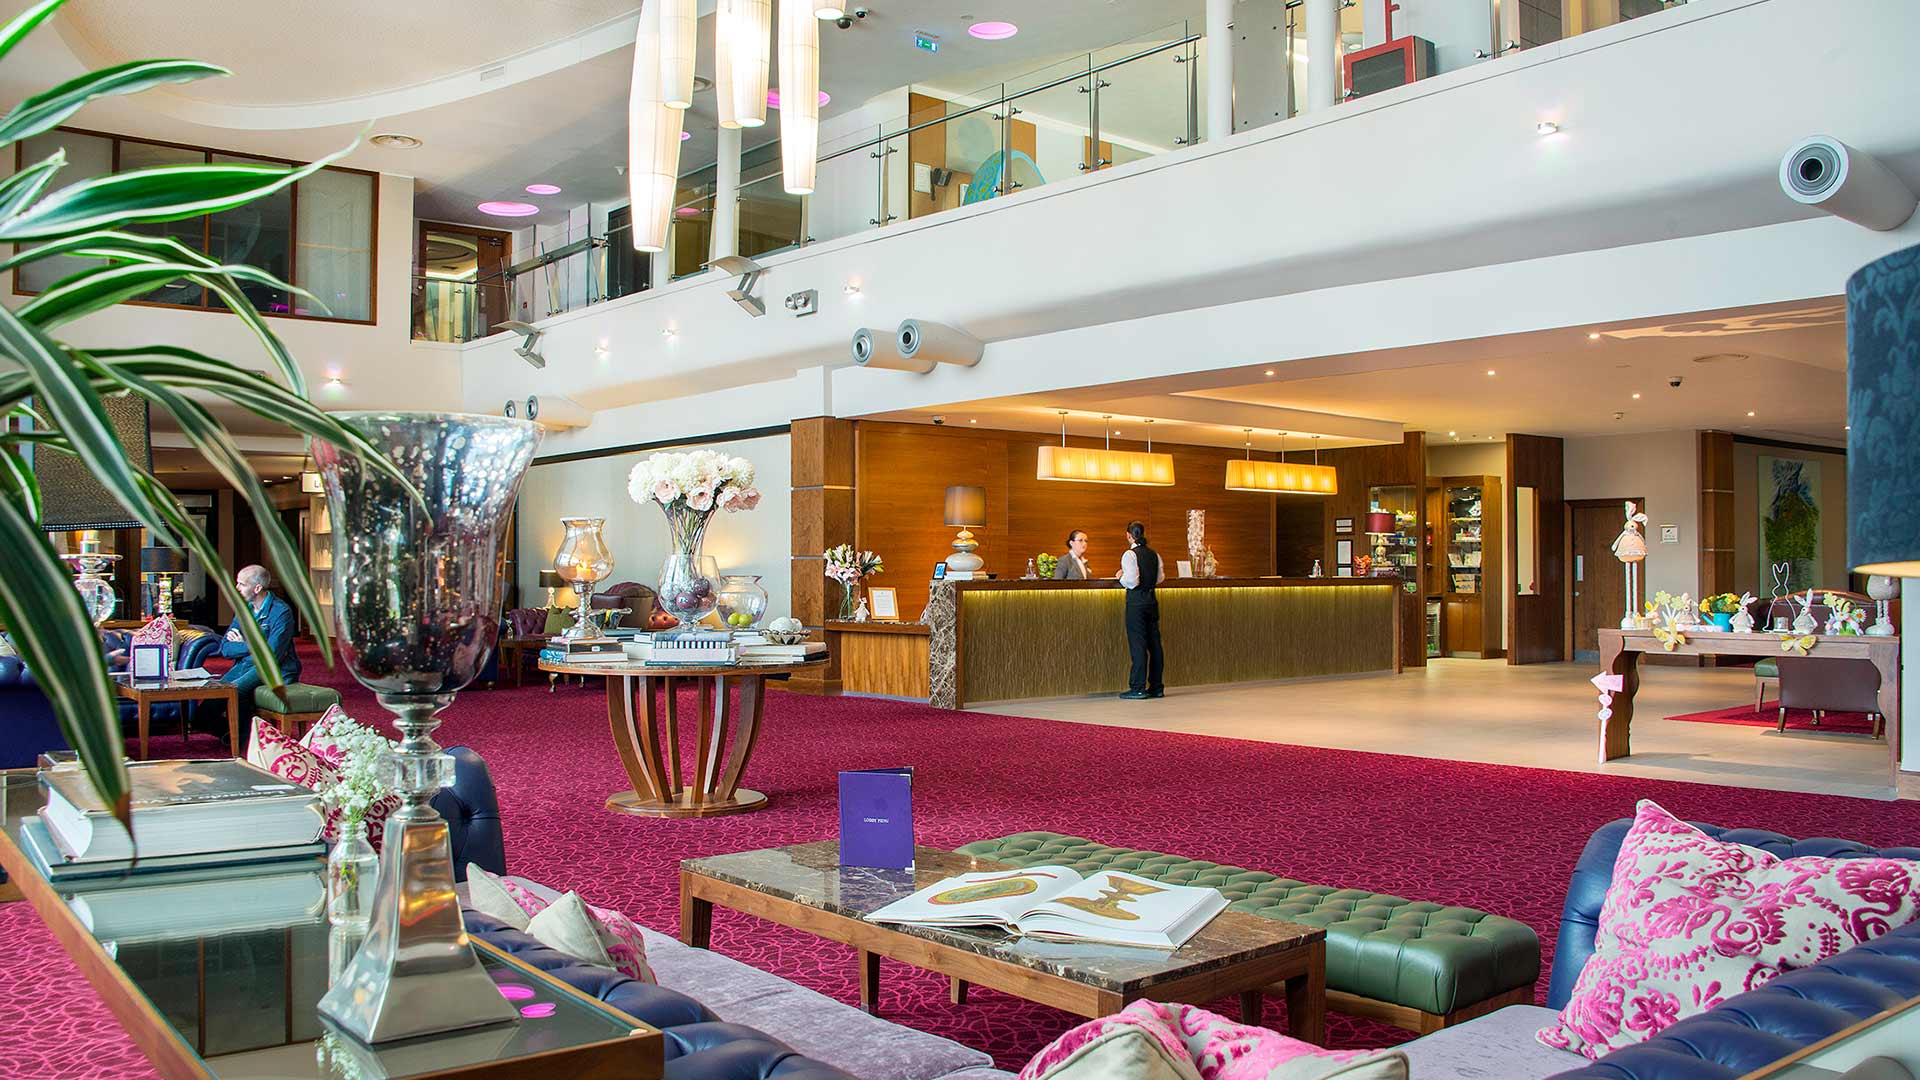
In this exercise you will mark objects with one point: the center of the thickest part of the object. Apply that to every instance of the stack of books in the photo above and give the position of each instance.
(595, 650)
(185, 813)
(766, 652)
(714, 647)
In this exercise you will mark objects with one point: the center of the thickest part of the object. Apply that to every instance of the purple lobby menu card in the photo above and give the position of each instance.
(876, 818)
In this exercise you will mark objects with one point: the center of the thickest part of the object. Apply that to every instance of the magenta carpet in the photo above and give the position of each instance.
(1851, 723)
(1494, 837)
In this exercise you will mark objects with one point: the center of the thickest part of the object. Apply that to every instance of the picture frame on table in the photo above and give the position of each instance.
(1183, 568)
(883, 603)
(147, 663)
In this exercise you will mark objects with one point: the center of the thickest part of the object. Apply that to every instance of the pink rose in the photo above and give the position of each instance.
(750, 499)
(700, 499)
(664, 492)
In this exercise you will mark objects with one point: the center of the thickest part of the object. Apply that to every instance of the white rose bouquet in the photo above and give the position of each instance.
(689, 487)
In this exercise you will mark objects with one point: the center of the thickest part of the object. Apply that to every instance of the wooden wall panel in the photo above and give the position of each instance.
(905, 470)
(1361, 468)
(822, 463)
(1717, 540)
(1537, 624)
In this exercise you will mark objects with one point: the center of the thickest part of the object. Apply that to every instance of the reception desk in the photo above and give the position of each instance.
(1011, 640)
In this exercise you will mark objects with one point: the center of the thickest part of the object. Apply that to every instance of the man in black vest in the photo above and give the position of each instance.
(1140, 571)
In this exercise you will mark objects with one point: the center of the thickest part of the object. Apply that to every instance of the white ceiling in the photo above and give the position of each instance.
(1786, 364)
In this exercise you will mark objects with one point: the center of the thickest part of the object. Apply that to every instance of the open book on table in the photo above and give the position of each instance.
(1056, 903)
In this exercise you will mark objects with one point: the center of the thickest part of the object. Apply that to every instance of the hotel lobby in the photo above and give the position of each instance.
(741, 538)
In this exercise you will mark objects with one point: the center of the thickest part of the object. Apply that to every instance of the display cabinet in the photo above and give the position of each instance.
(1402, 552)
(320, 560)
(1464, 517)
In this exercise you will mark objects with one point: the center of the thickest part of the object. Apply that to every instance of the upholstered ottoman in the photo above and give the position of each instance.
(295, 704)
(1418, 965)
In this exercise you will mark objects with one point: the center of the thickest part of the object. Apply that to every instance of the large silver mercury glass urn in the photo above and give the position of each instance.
(417, 601)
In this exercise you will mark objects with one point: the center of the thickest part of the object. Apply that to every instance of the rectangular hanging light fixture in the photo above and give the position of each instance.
(1281, 477)
(726, 18)
(747, 47)
(653, 140)
(799, 95)
(678, 22)
(1095, 465)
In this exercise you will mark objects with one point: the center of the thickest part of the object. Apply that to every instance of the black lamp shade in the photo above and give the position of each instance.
(1883, 416)
(160, 560)
(966, 506)
(551, 580)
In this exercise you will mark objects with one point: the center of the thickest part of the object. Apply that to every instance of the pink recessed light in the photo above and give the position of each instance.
(993, 31)
(687, 211)
(773, 99)
(508, 209)
(685, 135)
(543, 189)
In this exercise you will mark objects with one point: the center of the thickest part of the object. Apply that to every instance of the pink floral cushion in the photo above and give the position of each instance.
(1690, 921)
(320, 737)
(156, 632)
(1149, 1040)
(595, 934)
(502, 897)
(333, 821)
(282, 755)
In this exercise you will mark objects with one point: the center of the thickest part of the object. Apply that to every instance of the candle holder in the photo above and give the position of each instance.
(418, 584)
(583, 561)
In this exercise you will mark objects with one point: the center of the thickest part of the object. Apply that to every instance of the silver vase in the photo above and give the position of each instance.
(417, 602)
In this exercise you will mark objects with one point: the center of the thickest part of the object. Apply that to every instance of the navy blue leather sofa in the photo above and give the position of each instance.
(699, 1046)
(27, 727)
(1761, 1026)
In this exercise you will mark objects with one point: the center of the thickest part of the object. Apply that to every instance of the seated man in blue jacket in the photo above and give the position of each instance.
(275, 617)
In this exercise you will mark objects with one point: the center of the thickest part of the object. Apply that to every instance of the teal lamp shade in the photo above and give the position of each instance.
(1883, 415)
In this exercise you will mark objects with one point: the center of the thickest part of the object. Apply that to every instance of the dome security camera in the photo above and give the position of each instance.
(859, 13)
(939, 421)
(1674, 381)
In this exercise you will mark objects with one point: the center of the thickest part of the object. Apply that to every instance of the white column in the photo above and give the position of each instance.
(659, 265)
(726, 197)
(1219, 69)
(1323, 54)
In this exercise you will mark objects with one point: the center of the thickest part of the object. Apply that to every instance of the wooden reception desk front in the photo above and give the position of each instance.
(1017, 639)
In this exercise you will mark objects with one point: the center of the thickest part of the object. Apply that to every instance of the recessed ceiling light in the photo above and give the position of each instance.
(1269, 373)
(685, 135)
(687, 211)
(1636, 397)
(1749, 412)
(1545, 127)
(543, 189)
(1455, 433)
(502, 208)
(992, 31)
(973, 421)
(1595, 336)
(773, 99)
(393, 140)
(1489, 371)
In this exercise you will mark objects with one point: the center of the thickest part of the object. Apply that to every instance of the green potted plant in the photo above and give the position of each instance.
(1720, 609)
(51, 397)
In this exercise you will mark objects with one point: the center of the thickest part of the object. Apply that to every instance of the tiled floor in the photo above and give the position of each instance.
(1540, 715)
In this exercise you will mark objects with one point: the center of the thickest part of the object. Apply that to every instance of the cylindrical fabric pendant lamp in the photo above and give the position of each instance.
(653, 140)
(828, 10)
(1883, 416)
(748, 42)
(799, 95)
(725, 16)
(679, 23)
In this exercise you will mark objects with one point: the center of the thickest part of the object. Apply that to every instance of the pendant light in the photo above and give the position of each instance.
(747, 38)
(725, 16)
(828, 10)
(799, 95)
(679, 23)
(1281, 477)
(653, 140)
(1104, 466)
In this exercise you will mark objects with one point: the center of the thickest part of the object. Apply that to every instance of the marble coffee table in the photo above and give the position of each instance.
(803, 886)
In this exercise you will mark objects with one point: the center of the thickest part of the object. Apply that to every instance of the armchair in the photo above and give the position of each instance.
(637, 599)
(1767, 672)
(1829, 685)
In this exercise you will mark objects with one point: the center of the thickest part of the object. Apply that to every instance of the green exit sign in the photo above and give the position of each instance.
(925, 41)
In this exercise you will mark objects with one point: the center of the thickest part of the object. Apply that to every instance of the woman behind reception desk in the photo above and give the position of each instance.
(1073, 565)
(1140, 571)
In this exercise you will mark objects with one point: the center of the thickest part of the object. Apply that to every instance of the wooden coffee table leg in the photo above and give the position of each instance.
(870, 981)
(696, 916)
(1307, 998)
(145, 718)
(1252, 1004)
(672, 707)
(957, 990)
(233, 721)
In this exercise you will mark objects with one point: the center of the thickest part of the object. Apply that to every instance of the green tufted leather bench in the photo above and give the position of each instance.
(1418, 965)
(301, 703)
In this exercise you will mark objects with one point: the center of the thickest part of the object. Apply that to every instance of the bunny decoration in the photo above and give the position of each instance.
(1630, 547)
(1743, 618)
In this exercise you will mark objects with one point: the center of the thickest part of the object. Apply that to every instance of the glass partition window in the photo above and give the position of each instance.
(317, 233)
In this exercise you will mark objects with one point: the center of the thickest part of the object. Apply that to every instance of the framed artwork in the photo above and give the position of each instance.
(1343, 553)
(883, 603)
(1790, 506)
(1343, 525)
(148, 663)
(1183, 568)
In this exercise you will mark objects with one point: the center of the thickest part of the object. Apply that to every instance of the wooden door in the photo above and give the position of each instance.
(1599, 583)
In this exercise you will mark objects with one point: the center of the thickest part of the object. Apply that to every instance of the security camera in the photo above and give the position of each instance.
(939, 421)
(843, 23)
(1673, 381)
(859, 13)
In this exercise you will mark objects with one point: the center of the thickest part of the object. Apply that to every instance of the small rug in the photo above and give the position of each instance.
(1845, 723)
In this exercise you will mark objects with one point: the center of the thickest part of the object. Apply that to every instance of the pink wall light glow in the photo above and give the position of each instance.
(499, 208)
(543, 189)
(993, 31)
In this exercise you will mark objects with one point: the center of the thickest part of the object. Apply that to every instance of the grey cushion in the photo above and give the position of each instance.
(1497, 1046)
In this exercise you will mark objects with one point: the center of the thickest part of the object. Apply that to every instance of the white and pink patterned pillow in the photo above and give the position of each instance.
(502, 897)
(1151, 1040)
(597, 935)
(157, 632)
(1690, 921)
(282, 755)
(320, 737)
(332, 820)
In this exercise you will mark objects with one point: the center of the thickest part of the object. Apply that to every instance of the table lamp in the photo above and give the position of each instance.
(164, 565)
(966, 507)
(1380, 525)
(1883, 425)
(551, 581)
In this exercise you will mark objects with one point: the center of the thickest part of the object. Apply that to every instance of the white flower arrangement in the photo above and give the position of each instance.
(700, 480)
(848, 566)
(360, 785)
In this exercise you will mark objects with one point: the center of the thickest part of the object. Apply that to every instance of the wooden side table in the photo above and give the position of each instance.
(646, 734)
(144, 695)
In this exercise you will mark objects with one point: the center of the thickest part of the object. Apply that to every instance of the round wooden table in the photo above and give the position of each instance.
(646, 734)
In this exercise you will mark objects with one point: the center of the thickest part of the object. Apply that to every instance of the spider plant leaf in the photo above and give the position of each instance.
(25, 186)
(61, 387)
(97, 287)
(134, 248)
(23, 24)
(49, 107)
(19, 481)
(59, 644)
(163, 193)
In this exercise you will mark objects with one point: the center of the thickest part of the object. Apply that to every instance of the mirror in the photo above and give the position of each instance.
(1526, 541)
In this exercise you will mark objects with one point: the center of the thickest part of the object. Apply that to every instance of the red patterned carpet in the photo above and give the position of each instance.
(1851, 723)
(1494, 837)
